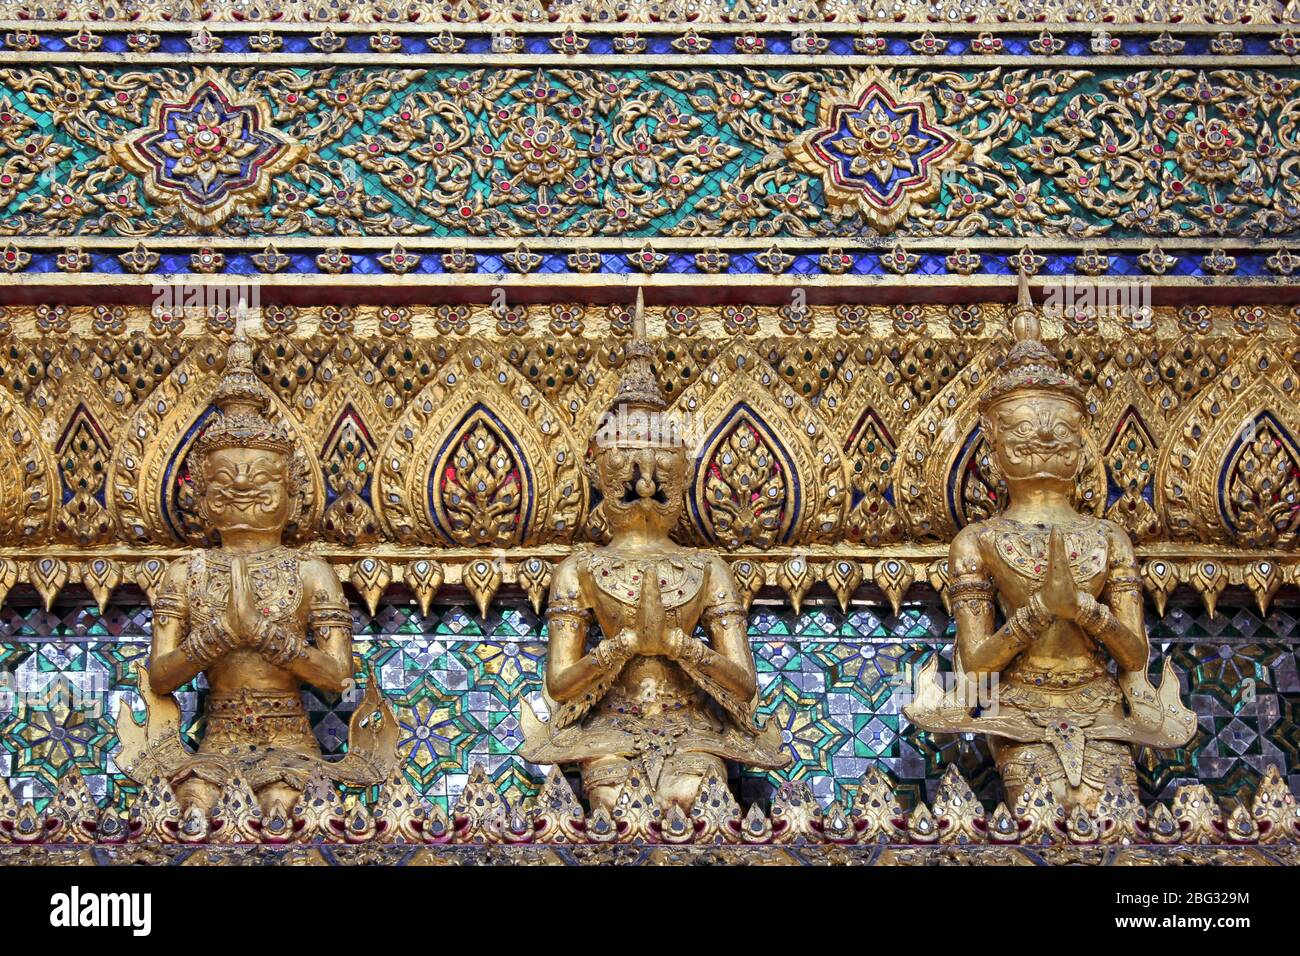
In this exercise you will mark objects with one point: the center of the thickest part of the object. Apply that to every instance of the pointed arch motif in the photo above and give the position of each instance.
(480, 458)
(767, 469)
(870, 456)
(1130, 472)
(935, 444)
(348, 425)
(82, 444)
(1127, 422)
(1259, 484)
(867, 414)
(83, 451)
(1231, 470)
(746, 490)
(28, 483)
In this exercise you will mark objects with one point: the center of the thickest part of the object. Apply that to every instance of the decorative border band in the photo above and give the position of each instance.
(646, 855)
(742, 13)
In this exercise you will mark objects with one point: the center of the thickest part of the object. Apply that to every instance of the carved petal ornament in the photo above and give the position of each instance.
(878, 151)
(210, 155)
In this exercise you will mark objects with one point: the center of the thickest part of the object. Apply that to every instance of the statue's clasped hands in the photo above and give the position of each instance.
(673, 643)
(1060, 593)
(248, 622)
(670, 642)
(243, 616)
(238, 625)
(678, 645)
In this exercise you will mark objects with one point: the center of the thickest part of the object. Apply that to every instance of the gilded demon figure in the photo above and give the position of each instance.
(257, 619)
(1068, 586)
(651, 691)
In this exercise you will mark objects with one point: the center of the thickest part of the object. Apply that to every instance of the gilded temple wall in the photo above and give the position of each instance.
(107, 420)
(442, 220)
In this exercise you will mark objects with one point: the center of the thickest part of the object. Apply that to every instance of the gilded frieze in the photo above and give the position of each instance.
(868, 826)
(824, 202)
(847, 453)
(750, 13)
(582, 168)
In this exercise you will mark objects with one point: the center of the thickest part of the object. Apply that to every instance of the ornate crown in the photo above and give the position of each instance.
(637, 416)
(243, 402)
(637, 387)
(1030, 365)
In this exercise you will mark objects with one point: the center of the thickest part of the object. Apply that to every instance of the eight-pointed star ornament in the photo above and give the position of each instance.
(208, 152)
(879, 151)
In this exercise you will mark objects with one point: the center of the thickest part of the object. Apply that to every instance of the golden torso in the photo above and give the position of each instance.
(278, 585)
(252, 700)
(612, 580)
(1015, 553)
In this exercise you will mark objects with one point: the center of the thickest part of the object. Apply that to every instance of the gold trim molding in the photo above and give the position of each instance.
(871, 409)
(746, 14)
(869, 825)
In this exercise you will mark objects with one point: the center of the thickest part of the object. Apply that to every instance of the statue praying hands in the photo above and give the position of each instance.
(258, 619)
(1068, 586)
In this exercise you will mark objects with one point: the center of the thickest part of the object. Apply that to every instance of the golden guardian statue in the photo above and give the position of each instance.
(1068, 587)
(670, 684)
(257, 619)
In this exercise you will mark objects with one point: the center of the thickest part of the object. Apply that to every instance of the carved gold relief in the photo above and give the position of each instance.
(668, 693)
(27, 476)
(484, 827)
(1231, 469)
(480, 459)
(1067, 671)
(765, 473)
(207, 153)
(258, 620)
(868, 445)
(878, 150)
(947, 478)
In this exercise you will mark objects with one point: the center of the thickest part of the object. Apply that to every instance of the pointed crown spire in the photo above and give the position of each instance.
(637, 416)
(637, 388)
(243, 402)
(1030, 365)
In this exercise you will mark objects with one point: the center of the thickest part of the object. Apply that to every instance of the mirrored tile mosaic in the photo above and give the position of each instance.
(833, 683)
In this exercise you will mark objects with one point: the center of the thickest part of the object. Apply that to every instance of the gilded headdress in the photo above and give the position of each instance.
(242, 402)
(637, 415)
(1030, 365)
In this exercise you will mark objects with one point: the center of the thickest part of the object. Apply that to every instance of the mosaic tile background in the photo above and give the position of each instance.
(829, 680)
